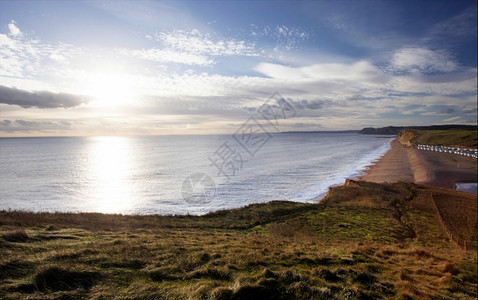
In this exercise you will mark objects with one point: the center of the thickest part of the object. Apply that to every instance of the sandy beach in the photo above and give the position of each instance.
(419, 166)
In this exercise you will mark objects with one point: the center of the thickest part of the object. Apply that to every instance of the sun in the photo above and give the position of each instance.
(110, 90)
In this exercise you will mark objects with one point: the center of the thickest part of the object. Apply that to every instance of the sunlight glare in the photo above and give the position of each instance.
(110, 90)
(110, 168)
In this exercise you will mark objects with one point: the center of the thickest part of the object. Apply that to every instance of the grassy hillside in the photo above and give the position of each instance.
(365, 240)
(462, 138)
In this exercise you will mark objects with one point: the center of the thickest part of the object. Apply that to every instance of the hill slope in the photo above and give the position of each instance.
(364, 240)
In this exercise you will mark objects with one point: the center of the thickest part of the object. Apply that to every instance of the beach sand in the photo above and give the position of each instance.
(419, 166)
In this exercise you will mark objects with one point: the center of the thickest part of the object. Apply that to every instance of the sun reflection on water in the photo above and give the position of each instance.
(110, 166)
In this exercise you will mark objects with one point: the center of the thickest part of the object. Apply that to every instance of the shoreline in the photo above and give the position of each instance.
(399, 163)
(423, 167)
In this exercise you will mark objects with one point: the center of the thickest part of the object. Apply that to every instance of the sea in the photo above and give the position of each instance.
(178, 175)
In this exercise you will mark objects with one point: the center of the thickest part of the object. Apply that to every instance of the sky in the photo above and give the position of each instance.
(73, 68)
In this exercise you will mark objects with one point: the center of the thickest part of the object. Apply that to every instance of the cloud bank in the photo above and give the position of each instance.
(39, 99)
(35, 126)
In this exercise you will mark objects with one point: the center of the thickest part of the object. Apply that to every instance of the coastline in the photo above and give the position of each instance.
(419, 166)
(364, 234)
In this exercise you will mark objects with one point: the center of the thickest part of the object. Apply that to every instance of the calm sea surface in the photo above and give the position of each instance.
(177, 174)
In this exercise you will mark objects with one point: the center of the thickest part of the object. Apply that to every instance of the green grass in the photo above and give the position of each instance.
(364, 240)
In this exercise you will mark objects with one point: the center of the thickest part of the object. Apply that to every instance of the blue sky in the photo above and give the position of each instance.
(187, 67)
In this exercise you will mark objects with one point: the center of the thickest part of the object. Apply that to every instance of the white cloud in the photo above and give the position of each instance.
(191, 48)
(337, 23)
(362, 71)
(57, 56)
(459, 83)
(438, 101)
(461, 26)
(195, 42)
(170, 56)
(5, 41)
(28, 57)
(283, 38)
(423, 60)
(289, 37)
(13, 29)
(34, 126)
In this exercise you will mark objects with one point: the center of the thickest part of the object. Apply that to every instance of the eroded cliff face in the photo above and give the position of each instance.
(452, 138)
(405, 137)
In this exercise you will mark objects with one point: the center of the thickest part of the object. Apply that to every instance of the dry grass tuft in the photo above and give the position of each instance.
(449, 268)
(18, 236)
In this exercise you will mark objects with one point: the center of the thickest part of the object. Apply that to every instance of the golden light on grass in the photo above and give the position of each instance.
(342, 248)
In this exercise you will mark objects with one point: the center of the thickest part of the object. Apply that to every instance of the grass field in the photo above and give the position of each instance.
(363, 241)
(462, 138)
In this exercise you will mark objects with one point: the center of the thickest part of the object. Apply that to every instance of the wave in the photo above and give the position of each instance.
(318, 190)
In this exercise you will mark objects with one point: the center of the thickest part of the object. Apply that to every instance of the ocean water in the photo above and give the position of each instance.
(177, 174)
(471, 187)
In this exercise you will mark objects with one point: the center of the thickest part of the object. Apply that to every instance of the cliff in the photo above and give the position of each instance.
(455, 138)
(393, 130)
